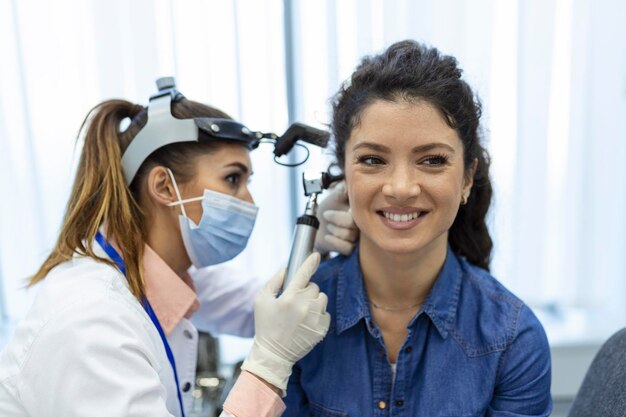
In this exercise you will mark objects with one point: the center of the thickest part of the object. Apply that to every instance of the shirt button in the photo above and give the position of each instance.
(188, 334)
(186, 387)
(408, 349)
(382, 405)
(399, 403)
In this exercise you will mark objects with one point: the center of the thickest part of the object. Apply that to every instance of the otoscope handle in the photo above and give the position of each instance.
(302, 245)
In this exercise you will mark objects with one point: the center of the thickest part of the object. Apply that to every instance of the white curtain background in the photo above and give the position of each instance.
(60, 58)
(551, 75)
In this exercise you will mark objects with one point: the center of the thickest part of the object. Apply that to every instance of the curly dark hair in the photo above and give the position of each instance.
(410, 71)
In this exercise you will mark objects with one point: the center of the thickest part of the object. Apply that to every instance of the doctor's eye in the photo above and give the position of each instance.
(370, 160)
(234, 178)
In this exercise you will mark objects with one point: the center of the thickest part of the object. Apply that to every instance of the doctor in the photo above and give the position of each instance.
(109, 331)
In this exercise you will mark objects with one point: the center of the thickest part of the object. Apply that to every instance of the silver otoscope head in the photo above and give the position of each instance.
(313, 185)
(314, 182)
(303, 242)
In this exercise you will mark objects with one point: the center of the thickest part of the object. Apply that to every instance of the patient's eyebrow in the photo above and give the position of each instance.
(418, 149)
(430, 146)
(371, 145)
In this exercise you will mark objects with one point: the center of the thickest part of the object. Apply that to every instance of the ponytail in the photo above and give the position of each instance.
(100, 195)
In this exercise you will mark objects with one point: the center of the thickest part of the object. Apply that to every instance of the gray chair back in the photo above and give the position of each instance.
(603, 391)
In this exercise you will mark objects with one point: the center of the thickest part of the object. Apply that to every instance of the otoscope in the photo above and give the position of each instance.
(307, 224)
(313, 183)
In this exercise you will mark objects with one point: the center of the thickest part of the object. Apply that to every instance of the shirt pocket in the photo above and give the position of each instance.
(318, 410)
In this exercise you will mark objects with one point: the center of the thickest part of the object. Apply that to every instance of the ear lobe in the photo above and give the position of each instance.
(160, 187)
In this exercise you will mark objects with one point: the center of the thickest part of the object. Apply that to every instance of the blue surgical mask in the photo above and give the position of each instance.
(224, 228)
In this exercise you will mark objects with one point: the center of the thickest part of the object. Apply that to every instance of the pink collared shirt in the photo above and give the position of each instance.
(173, 299)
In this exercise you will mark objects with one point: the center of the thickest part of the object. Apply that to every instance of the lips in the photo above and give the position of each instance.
(401, 218)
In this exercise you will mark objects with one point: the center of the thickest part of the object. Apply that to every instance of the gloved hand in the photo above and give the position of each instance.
(337, 230)
(287, 327)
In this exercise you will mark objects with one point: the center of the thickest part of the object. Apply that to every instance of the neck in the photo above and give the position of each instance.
(398, 280)
(168, 244)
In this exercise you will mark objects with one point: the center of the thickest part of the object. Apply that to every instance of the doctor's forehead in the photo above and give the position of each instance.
(227, 155)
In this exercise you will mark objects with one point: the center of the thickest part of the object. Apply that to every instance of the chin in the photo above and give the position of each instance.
(399, 246)
(409, 245)
(405, 250)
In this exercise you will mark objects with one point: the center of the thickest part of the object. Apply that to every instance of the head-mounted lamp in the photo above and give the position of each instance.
(163, 129)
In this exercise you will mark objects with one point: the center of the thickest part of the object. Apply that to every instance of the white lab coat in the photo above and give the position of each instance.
(88, 348)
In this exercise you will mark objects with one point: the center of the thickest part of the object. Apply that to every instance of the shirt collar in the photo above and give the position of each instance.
(443, 300)
(440, 304)
(352, 303)
(171, 297)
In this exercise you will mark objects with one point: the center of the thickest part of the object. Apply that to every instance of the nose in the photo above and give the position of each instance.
(247, 196)
(402, 185)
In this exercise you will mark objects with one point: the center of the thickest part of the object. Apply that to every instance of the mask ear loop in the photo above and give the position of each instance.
(180, 200)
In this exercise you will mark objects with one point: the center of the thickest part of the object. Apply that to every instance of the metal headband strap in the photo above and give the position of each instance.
(161, 129)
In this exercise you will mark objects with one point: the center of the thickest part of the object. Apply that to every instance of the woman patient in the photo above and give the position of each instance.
(419, 326)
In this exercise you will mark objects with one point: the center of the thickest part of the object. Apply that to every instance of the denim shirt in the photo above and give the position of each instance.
(473, 349)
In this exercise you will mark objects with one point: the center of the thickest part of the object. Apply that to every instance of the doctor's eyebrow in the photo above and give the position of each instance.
(418, 149)
(239, 165)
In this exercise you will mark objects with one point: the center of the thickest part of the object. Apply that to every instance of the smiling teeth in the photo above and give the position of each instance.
(401, 217)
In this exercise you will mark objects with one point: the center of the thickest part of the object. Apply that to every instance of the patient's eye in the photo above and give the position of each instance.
(435, 160)
(370, 160)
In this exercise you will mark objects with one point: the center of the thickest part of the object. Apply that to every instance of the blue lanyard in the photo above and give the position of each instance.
(115, 257)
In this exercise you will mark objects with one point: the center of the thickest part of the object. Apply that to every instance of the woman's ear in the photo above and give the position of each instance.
(468, 180)
(160, 187)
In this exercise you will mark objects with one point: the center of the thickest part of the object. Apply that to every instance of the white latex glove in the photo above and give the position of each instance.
(337, 230)
(287, 327)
